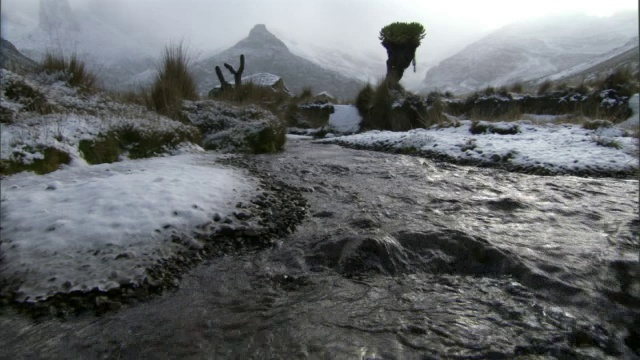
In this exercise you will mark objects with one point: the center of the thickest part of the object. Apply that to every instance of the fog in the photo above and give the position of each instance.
(352, 25)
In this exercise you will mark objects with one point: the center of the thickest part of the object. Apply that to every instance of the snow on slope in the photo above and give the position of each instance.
(532, 50)
(111, 52)
(630, 45)
(102, 226)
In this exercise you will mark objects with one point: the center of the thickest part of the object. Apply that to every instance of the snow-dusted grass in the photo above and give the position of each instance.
(229, 128)
(23, 138)
(73, 118)
(98, 227)
(563, 148)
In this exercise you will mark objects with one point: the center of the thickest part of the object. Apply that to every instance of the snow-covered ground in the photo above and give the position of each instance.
(559, 148)
(102, 226)
(86, 227)
(97, 227)
(75, 117)
(542, 142)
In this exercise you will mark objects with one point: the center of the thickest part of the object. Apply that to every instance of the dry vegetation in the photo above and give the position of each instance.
(73, 70)
(174, 82)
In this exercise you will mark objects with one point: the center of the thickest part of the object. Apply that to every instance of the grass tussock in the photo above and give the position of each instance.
(596, 124)
(74, 70)
(174, 82)
(305, 94)
(545, 87)
(622, 79)
(52, 160)
(517, 87)
(606, 142)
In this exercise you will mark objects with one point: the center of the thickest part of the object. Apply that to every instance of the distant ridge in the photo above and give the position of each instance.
(534, 50)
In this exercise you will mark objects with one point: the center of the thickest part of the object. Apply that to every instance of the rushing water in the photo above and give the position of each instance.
(399, 258)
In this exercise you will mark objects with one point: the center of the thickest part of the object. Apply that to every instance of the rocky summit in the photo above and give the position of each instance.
(264, 52)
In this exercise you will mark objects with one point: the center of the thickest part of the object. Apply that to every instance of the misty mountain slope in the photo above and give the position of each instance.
(13, 60)
(627, 56)
(532, 50)
(366, 67)
(113, 54)
(264, 52)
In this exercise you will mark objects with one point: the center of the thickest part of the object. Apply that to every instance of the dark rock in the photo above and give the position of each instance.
(243, 215)
(323, 214)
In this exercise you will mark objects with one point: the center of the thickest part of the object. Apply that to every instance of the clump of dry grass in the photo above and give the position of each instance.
(73, 69)
(174, 82)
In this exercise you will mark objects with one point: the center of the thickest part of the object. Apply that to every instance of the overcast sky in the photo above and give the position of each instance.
(349, 24)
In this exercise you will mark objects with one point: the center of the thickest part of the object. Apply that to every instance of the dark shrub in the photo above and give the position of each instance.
(364, 99)
(30, 98)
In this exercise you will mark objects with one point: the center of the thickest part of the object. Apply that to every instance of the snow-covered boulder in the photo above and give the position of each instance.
(265, 80)
(229, 128)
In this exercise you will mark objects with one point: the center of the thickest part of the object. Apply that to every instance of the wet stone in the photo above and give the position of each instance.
(323, 214)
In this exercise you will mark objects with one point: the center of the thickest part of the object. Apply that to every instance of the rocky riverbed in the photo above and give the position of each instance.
(398, 257)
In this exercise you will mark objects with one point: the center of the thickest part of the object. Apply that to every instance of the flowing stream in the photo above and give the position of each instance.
(399, 257)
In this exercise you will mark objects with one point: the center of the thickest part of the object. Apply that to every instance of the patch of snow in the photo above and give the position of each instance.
(559, 148)
(261, 79)
(345, 119)
(325, 93)
(299, 137)
(633, 122)
(103, 226)
(540, 119)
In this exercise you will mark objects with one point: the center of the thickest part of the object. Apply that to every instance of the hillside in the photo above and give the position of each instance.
(109, 51)
(13, 60)
(627, 56)
(533, 50)
(264, 52)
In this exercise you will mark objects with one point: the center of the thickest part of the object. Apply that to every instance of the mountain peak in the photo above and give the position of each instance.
(259, 30)
(260, 38)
